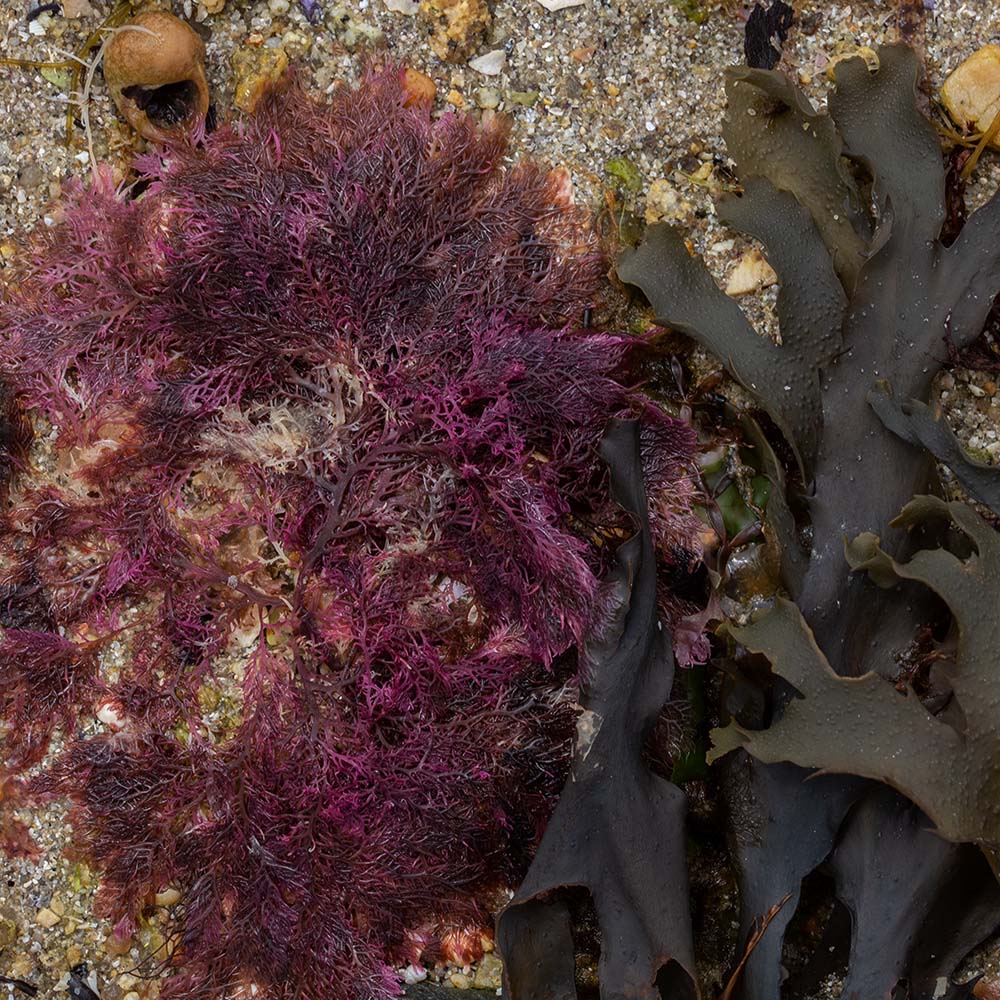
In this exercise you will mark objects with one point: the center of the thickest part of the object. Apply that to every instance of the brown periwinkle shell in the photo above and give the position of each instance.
(156, 75)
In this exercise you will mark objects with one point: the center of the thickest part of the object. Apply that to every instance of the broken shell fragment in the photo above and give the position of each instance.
(752, 273)
(155, 70)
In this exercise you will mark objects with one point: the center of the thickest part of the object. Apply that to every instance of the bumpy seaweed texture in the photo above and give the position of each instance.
(869, 299)
(918, 904)
(901, 295)
(922, 425)
(946, 763)
(618, 830)
(317, 523)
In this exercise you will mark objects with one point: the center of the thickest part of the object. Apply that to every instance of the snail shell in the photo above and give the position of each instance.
(156, 75)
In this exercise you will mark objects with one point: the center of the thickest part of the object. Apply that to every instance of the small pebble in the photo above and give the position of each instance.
(488, 97)
(665, 203)
(255, 69)
(419, 88)
(489, 973)
(114, 945)
(77, 8)
(456, 28)
(46, 917)
(32, 175)
(526, 98)
(108, 715)
(295, 44)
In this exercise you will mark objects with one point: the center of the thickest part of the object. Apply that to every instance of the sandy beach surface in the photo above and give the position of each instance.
(624, 94)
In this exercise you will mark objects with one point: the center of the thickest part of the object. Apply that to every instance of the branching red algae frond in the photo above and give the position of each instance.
(322, 410)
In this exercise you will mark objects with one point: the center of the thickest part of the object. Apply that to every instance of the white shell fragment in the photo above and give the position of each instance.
(554, 5)
(490, 64)
(108, 715)
(414, 974)
(402, 6)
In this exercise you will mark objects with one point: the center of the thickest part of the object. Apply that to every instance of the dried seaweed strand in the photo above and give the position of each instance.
(755, 938)
(76, 63)
(987, 137)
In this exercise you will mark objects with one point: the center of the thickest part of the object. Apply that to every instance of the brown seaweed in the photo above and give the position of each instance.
(851, 208)
(839, 342)
(618, 830)
(918, 903)
(773, 850)
(946, 763)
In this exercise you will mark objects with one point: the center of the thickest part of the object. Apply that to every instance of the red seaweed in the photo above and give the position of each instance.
(321, 408)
